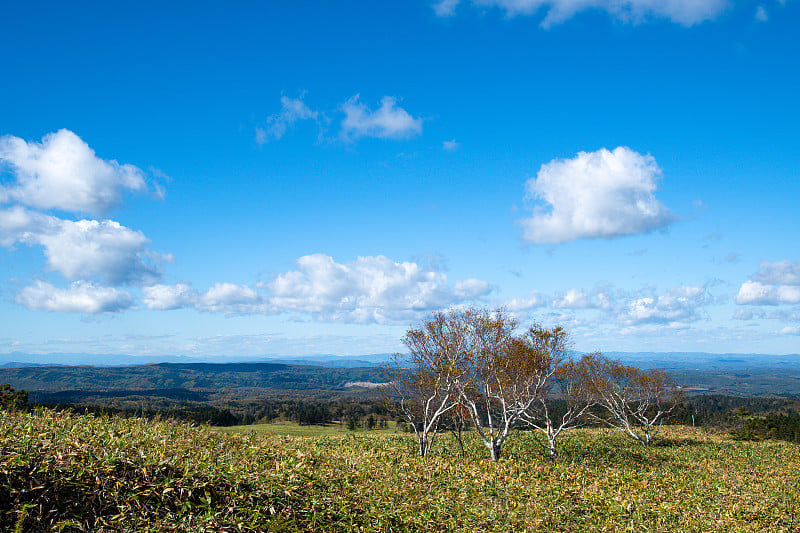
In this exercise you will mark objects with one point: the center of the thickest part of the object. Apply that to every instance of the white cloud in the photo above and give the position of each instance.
(63, 172)
(81, 297)
(105, 249)
(791, 330)
(757, 293)
(225, 298)
(84, 249)
(761, 14)
(369, 289)
(450, 146)
(785, 315)
(445, 8)
(231, 299)
(573, 299)
(685, 12)
(781, 272)
(471, 288)
(676, 306)
(774, 284)
(387, 122)
(603, 307)
(165, 297)
(600, 194)
(579, 299)
(534, 300)
(18, 224)
(292, 110)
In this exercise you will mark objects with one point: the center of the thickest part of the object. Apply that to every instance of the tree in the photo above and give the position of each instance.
(637, 402)
(422, 383)
(572, 407)
(504, 375)
(11, 400)
(457, 419)
(472, 362)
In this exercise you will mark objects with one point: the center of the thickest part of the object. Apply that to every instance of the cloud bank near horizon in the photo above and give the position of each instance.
(368, 290)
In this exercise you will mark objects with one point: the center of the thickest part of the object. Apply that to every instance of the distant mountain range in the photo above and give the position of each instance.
(21, 359)
(706, 361)
(69, 381)
(665, 360)
(74, 377)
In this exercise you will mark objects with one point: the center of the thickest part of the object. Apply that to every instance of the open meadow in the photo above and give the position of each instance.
(68, 472)
(293, 429)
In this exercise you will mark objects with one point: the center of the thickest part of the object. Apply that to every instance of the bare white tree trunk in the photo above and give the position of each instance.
(637, 402)
(552, 426)
(500, 417)
(426, 422)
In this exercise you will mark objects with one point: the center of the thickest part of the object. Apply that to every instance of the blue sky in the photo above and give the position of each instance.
(313, 177)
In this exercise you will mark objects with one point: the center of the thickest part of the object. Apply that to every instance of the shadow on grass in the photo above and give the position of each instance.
(605, 447)
(599, 446)
(668, 442)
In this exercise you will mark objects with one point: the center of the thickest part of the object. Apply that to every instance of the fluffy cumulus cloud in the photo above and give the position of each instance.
(579, 299)
(781, 272)
(18, 224)
(369, 289)
(677, 305)
(231, 299)
(84, 249)
(225, 298)
(757, 293)
(63, 172)
(685, 12)
(774, 284)
(571, 300)
(389, 121)
(292, 111)
(602, 194)
(166, 297)
(614, 313)
(80, 297)
(469, 289)
(518, 304)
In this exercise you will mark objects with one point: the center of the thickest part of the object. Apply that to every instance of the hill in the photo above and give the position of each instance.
(203, 381)
(18, 359)
(665, 360)
(247, 378)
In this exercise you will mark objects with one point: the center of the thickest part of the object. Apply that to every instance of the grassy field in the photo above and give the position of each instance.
(294, 429)
(85, 473)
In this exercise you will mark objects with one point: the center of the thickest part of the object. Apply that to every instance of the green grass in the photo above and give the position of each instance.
(109, 474)
(284, 428)
(294, 429)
